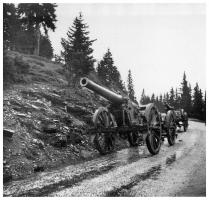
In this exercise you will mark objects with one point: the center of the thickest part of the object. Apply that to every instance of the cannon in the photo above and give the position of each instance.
(182, 119)
(123, 118)
(171, 120)
(168, 124)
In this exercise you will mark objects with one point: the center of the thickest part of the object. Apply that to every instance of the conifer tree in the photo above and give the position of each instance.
(37, 15)
(186, 95)
(11, 25)
(130, 86)
(172, 97)
(144, 98)
(153, 98)
(161, 98)
(198, 104)
(46, 49)
(108, 72)
(77, 52)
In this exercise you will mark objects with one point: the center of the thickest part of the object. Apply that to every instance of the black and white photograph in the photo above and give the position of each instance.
(104, 99)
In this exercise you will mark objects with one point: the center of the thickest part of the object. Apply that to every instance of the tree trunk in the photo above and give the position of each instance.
(37, 42)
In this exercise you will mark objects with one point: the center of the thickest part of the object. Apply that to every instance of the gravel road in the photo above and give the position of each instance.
(178, 170)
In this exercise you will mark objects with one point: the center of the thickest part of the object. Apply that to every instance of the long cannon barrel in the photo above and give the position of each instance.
(107, 94)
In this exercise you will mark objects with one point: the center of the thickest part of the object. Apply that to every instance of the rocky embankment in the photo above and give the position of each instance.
(45, 121)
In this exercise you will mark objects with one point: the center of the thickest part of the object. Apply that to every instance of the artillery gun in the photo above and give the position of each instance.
(124, 118)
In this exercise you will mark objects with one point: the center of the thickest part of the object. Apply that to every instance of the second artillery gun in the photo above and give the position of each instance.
(126, 119)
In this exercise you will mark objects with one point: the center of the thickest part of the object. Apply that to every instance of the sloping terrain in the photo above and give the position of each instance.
(45, 120)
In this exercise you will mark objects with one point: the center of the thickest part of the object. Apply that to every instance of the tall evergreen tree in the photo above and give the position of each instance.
(177, 99)
(77, 52)
(37, 15)
(153, 98)
(46, 49)
(105, 67)
(161, 98)
(172, 97)
(108, 72)
(204, 110)
(11, 25)
(186, 95)
(130, 86)
(144, 98)
(198, 104)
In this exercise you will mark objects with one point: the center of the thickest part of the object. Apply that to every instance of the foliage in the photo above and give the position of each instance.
(183, 99)
(14, 69)
(25, 42)
(36, 15)
(144, 99)
(198, 103)
(77, 52)
(11, 25)
(9, 68)
(58, 59)
(46, 49)
(130, 87)
(186, 98)
(108, 72)
(20, 27)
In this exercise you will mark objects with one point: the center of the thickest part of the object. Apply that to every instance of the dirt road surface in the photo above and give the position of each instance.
(178, 170)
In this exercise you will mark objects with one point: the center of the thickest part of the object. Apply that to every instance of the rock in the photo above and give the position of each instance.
(74, 138)
(7, 174)
(59, 140)
(50, 128)
(7, 177)
(39, 143)
(8, 133)
(38, 168)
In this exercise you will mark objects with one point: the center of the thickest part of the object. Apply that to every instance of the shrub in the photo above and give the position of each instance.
(14, 68)
(9, 68)
(21, 66)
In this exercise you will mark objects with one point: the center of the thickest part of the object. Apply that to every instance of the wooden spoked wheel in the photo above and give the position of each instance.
(153, 139)
(171, 127)
(103, 141)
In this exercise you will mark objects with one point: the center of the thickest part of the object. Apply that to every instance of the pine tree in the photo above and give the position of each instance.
(153, 98)
(11, 25)
(198, 104)
(166, 97)
(130, 86)
(77, 52)
(37, 15)
(105, 67)
(157, 99)
(108, 72)
(204, 108)
(46, 49)
(177, 100)
(161, 98)
(172, 97)
(142, 100)
(186, 95)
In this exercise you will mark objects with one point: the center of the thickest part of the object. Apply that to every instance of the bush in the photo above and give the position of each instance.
(21, 66)
(9, 68)
(14, 68)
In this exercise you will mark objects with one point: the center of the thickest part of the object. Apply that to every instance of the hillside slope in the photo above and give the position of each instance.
(45, 120)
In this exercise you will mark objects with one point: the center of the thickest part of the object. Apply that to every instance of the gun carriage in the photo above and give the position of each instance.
(128, 120)
(182, 119)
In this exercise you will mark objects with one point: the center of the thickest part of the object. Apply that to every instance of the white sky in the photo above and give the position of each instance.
(158, 42)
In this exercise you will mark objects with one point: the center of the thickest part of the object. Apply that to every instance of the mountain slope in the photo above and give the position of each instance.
(45, 120)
